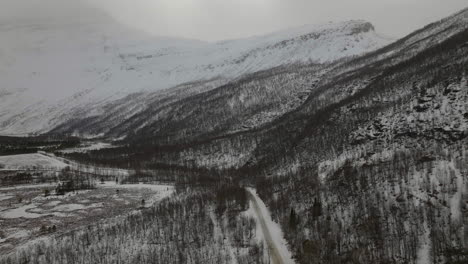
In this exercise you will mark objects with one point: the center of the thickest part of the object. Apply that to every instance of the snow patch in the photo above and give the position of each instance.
(86, 148)
(4, 197)
(424, 251)
(456, 200)
(21, 211)
(75, 207)
(161, 191)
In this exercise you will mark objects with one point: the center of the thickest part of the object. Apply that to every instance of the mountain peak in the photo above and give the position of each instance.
(125, 62)
(362, 27)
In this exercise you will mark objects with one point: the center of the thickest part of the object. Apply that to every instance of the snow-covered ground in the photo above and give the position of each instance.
(30, 161)
(271, 230)
(24, 210)
(88, 147)
(251, 213)
(161, 191)
(50, 162)
(26, 186)
(218, 234)
(424, 249)
(90, 168)
(31, 210)
(4, 196)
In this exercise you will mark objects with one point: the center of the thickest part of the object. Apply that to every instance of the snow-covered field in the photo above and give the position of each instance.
(26, 214)
(48, 161)
(88, 147)
(30, 161)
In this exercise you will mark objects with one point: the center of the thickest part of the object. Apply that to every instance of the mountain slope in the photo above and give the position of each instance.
(50, 69)
(278, 107)
(373, 161)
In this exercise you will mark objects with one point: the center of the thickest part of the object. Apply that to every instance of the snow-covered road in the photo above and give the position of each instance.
(272, 233)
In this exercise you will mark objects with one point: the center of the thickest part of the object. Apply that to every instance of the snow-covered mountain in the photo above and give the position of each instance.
(359, 160)
(50, 68)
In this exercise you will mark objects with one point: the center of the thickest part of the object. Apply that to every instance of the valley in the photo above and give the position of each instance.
(321, 144)
(36, 211)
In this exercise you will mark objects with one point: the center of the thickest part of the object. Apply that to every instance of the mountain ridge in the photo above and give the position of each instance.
(360, 160)
(115, 67)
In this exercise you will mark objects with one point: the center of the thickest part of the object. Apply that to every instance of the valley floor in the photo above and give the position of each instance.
(27, 214)
(32, 214)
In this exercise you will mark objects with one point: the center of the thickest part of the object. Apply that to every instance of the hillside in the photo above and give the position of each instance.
(357, 148)
(52, 69)
(372, 163)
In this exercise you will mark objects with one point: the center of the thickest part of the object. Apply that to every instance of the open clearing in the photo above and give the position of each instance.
(26, 214)
(30, 161)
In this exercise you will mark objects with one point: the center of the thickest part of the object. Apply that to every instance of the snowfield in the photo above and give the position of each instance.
(25, 210)
(30, 161)
(88, 147)
(90, 168)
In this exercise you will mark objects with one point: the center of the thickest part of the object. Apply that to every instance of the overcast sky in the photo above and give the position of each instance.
(225, 19)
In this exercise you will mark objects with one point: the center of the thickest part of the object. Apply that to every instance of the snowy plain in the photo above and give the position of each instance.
(30, 161)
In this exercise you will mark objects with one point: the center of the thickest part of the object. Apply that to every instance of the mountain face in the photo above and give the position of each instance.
(53, 69)
(374, 162)
(216, 108)
(369, 154)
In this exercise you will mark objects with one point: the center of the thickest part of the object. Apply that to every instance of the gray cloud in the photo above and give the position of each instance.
(223, 19)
